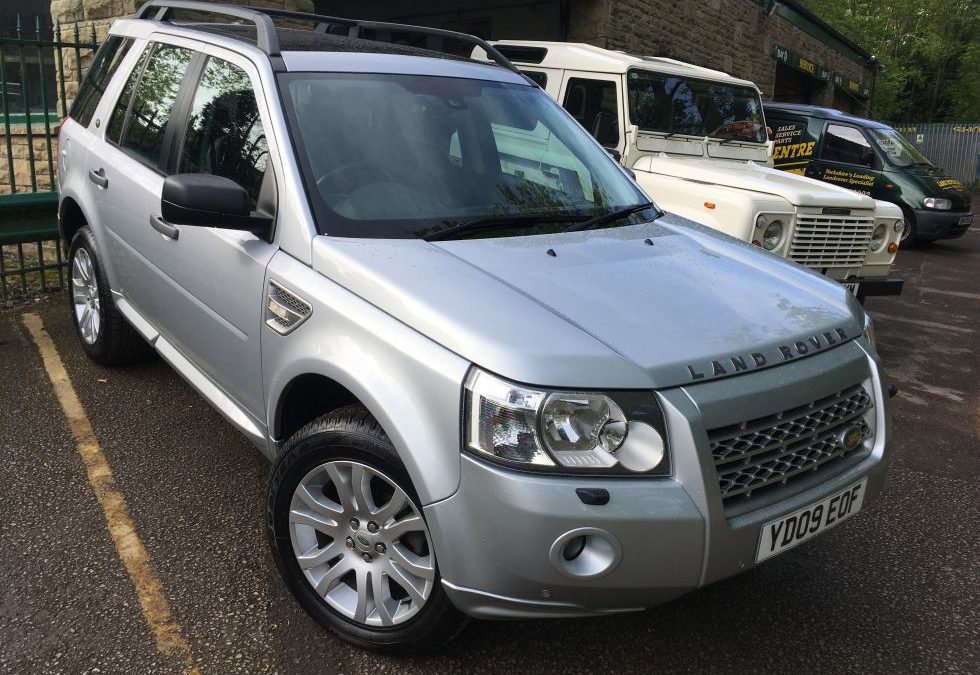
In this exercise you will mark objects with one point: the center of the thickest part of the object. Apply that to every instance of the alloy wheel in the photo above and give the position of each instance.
(85, 297)
(361, 543)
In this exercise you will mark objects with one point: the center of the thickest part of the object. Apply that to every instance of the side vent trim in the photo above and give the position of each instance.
(284, 310)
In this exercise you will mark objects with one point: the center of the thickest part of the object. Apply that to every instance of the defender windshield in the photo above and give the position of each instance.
(410, 156)
(897, 149)
(679, 105)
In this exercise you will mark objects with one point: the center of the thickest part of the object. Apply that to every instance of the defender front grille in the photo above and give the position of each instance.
(831, 240)
(762, 455)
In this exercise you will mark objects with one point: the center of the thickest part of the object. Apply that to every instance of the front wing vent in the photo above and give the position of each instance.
(284, 310)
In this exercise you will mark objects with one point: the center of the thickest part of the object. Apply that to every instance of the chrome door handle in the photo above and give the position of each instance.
(98, 177)
(164, 228)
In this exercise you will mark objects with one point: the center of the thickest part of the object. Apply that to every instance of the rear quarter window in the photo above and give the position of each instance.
(104, 66)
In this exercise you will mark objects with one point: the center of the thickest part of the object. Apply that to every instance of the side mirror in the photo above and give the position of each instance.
(605, 128)
(209, 201)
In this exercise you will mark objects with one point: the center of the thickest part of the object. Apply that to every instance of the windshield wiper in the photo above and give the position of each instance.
(598, 221)
(488, 224)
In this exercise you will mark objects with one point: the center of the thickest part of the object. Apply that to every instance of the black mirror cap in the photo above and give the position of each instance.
(210, 201)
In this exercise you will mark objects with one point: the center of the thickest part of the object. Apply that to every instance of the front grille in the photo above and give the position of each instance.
(831, 241)
(768, 454)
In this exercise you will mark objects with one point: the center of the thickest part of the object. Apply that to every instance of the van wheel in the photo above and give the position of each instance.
(105, 335)
(350, 540)
(909, 234)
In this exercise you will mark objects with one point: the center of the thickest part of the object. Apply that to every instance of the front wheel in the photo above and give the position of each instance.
(351, 541)
(910, 233)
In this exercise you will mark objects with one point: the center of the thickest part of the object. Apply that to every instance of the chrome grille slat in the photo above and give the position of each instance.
(768, 452)
(826, 241)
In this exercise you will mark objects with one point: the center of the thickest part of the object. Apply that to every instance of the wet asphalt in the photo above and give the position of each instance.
(895, 590)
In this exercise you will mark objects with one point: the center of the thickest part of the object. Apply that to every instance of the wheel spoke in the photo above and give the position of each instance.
(382, 595)
(326, 525)
(333, 575)
(320, 556)
(360, 482)
(410, 523)
(393, 507)
(315, 503)
(396, 573)
(363, 581)
(342, 483)
(419, 566)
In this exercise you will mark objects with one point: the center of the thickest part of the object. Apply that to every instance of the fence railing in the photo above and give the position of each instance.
(38, 79)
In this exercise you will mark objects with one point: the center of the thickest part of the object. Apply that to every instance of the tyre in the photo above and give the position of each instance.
(910, 235)
(350, 540)
(105, 335)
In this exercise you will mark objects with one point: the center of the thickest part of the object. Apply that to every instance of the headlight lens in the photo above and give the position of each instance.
(581, 431)
(878, 238)
(773, 235)
(869, 331)
(937, 203)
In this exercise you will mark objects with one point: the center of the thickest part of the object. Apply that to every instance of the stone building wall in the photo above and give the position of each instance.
(20, 153)
(735, 36)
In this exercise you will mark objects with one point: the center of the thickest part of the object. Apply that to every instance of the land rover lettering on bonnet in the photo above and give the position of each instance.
(492, 377)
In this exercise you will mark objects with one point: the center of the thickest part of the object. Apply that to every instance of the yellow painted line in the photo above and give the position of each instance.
(130, 549)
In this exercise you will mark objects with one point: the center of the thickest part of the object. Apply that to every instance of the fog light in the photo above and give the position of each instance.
(585, 553)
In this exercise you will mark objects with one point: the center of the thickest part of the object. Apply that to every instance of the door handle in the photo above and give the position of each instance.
(98, 177)
(163, 227)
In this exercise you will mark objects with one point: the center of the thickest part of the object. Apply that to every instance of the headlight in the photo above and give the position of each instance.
(937, 203)
(878, 238)
(773, 235)
(869, 331)
(579, 431)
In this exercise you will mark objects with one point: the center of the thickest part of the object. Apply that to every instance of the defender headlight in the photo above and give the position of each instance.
(937, 203)
(869, 331)
(561, 430)
(878, 238)
(773, 235)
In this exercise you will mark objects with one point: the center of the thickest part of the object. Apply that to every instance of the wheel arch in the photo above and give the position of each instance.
(71, 218)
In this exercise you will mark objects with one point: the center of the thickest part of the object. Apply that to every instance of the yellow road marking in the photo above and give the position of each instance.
(130, 549)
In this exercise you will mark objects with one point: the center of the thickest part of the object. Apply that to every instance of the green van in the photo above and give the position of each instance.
(871, 158)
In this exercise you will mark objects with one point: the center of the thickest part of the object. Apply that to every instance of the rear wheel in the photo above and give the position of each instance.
(350, 539)
(105, 335)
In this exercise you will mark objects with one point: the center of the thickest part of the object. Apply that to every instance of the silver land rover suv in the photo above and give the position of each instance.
(494, 379)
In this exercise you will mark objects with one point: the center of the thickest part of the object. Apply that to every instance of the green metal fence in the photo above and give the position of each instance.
(38, 78)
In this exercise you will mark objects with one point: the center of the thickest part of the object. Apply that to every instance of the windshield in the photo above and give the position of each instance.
(898, 150)
(678, 105)
(409, 155)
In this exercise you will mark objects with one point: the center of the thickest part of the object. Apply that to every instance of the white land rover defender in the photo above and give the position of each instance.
(696, 140)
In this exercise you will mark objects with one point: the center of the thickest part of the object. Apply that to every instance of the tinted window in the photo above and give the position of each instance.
(539, 78)
(114, 129)
(848, 145)
(409, 155)
(678, 105)
(154, 100)
(224, 133)
(106, 61)
(593, 104)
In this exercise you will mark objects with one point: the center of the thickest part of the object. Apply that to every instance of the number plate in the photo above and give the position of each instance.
(853, 288)
(966, 220)
(785, 533)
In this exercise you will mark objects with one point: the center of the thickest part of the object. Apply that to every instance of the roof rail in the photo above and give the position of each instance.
(268, 41)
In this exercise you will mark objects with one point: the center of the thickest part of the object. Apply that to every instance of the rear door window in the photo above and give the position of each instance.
(224, 134)
(104, 66)
(153, 102)
(847, 145)
(593, 104)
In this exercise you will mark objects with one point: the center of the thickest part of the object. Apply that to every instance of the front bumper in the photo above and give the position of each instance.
(494, 537)
(930, 224)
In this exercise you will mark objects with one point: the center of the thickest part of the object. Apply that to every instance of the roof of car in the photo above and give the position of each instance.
(586, 57)
(824, 113)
